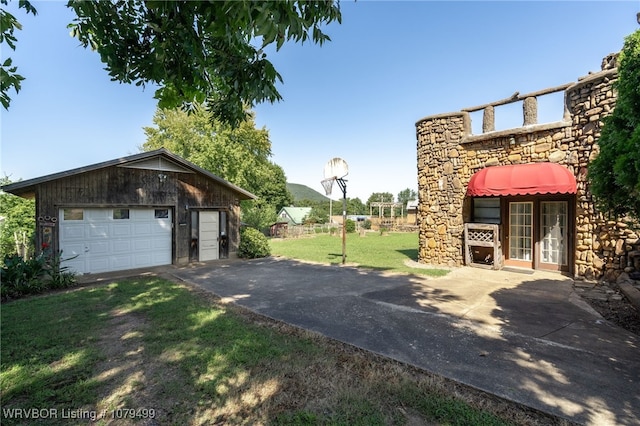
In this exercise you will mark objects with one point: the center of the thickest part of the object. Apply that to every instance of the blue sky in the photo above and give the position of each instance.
(358, 97)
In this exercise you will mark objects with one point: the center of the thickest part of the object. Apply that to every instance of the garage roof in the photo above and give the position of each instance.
(160, 159)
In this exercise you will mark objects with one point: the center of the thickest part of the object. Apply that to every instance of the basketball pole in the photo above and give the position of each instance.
(343, 186)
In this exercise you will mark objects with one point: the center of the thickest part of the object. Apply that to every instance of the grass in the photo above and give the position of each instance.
(381, 252)
(140, 348)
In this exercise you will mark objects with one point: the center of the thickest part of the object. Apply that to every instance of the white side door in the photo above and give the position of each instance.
(209, 232)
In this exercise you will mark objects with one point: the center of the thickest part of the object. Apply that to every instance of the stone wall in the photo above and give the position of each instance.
(449, 154)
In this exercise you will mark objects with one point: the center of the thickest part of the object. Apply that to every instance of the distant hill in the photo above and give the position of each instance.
(303, 192)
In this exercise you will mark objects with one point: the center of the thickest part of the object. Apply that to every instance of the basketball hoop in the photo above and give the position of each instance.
(335, 171)
(327, 184)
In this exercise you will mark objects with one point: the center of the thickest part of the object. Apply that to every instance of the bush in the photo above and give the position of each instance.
(350, 226)
(59, 276)
(366, 224)
(253, 244)
(20, 277)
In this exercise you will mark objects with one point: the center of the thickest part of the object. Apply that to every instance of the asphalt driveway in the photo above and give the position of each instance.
(526, 337)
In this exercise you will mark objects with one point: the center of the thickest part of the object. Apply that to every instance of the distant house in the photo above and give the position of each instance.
(293, 215)
(412, 212)
(288, 216)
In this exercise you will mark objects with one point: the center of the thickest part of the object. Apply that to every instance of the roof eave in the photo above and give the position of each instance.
(26, 188)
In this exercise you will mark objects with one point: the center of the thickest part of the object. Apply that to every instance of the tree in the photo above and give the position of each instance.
(407, 195)
(615, 173)
(212, 52)
(9, 77)
(258, 214)
(355, 206)
(239, 155)
(319, 214)
(18, 223)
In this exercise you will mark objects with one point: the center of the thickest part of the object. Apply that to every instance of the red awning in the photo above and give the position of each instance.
(522, 179)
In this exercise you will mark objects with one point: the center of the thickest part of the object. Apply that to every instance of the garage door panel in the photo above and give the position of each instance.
(120, 262)
(121, 230)
(142, 229)
(142, 245)
(72, 249)
(121, 246)
(96, 248)
(103, 243)
(72, 232)
(98, 264)
(143, 259)
(163, 244)
(161, 226)
(98, 230)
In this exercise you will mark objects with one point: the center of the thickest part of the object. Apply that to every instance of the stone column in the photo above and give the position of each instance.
(441, 193)
(488, 120)
(530, 110)
(588, 102)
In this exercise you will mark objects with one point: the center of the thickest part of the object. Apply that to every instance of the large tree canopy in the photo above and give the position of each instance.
(240, 155)
(615, 174)
(9, 77)
(211, 52)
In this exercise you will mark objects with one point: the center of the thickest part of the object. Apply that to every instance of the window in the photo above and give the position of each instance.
(162, 213)
(486, 210)
(520, 231)
(553, 218)
(121, 213)
(73, 214)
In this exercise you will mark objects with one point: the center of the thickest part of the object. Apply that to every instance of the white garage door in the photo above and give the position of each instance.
(104, 240)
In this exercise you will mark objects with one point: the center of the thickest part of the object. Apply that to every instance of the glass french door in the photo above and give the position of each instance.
(553, 235)
(521, 234)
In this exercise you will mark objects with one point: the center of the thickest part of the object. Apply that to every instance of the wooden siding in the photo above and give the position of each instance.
(129, 187)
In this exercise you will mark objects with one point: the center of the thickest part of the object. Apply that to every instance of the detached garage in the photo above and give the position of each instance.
(148, 209)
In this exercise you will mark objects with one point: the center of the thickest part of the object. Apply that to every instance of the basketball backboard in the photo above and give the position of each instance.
(336, 168)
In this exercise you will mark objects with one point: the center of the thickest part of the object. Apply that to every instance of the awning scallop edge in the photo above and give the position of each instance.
(522, 179)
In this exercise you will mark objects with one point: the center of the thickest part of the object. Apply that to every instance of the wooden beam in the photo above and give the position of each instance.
(518, 97)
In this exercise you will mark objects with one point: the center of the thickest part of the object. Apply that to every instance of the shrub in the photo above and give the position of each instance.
(366, 224)
(253, 244)
(20, 277)
(350, 226)
(59, 276)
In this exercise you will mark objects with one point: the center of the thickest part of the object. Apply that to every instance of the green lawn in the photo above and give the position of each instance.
(383, 252)
(133, 349)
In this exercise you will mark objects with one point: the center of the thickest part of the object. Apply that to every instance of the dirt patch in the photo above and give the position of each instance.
(607, 299)
(128, 375)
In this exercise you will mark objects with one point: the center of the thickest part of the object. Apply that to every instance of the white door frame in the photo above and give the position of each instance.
(208, 235)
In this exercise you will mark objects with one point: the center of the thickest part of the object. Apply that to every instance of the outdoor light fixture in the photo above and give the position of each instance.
(162, 177)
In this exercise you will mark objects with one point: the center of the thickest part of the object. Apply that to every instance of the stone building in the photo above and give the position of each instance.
(520, 197)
